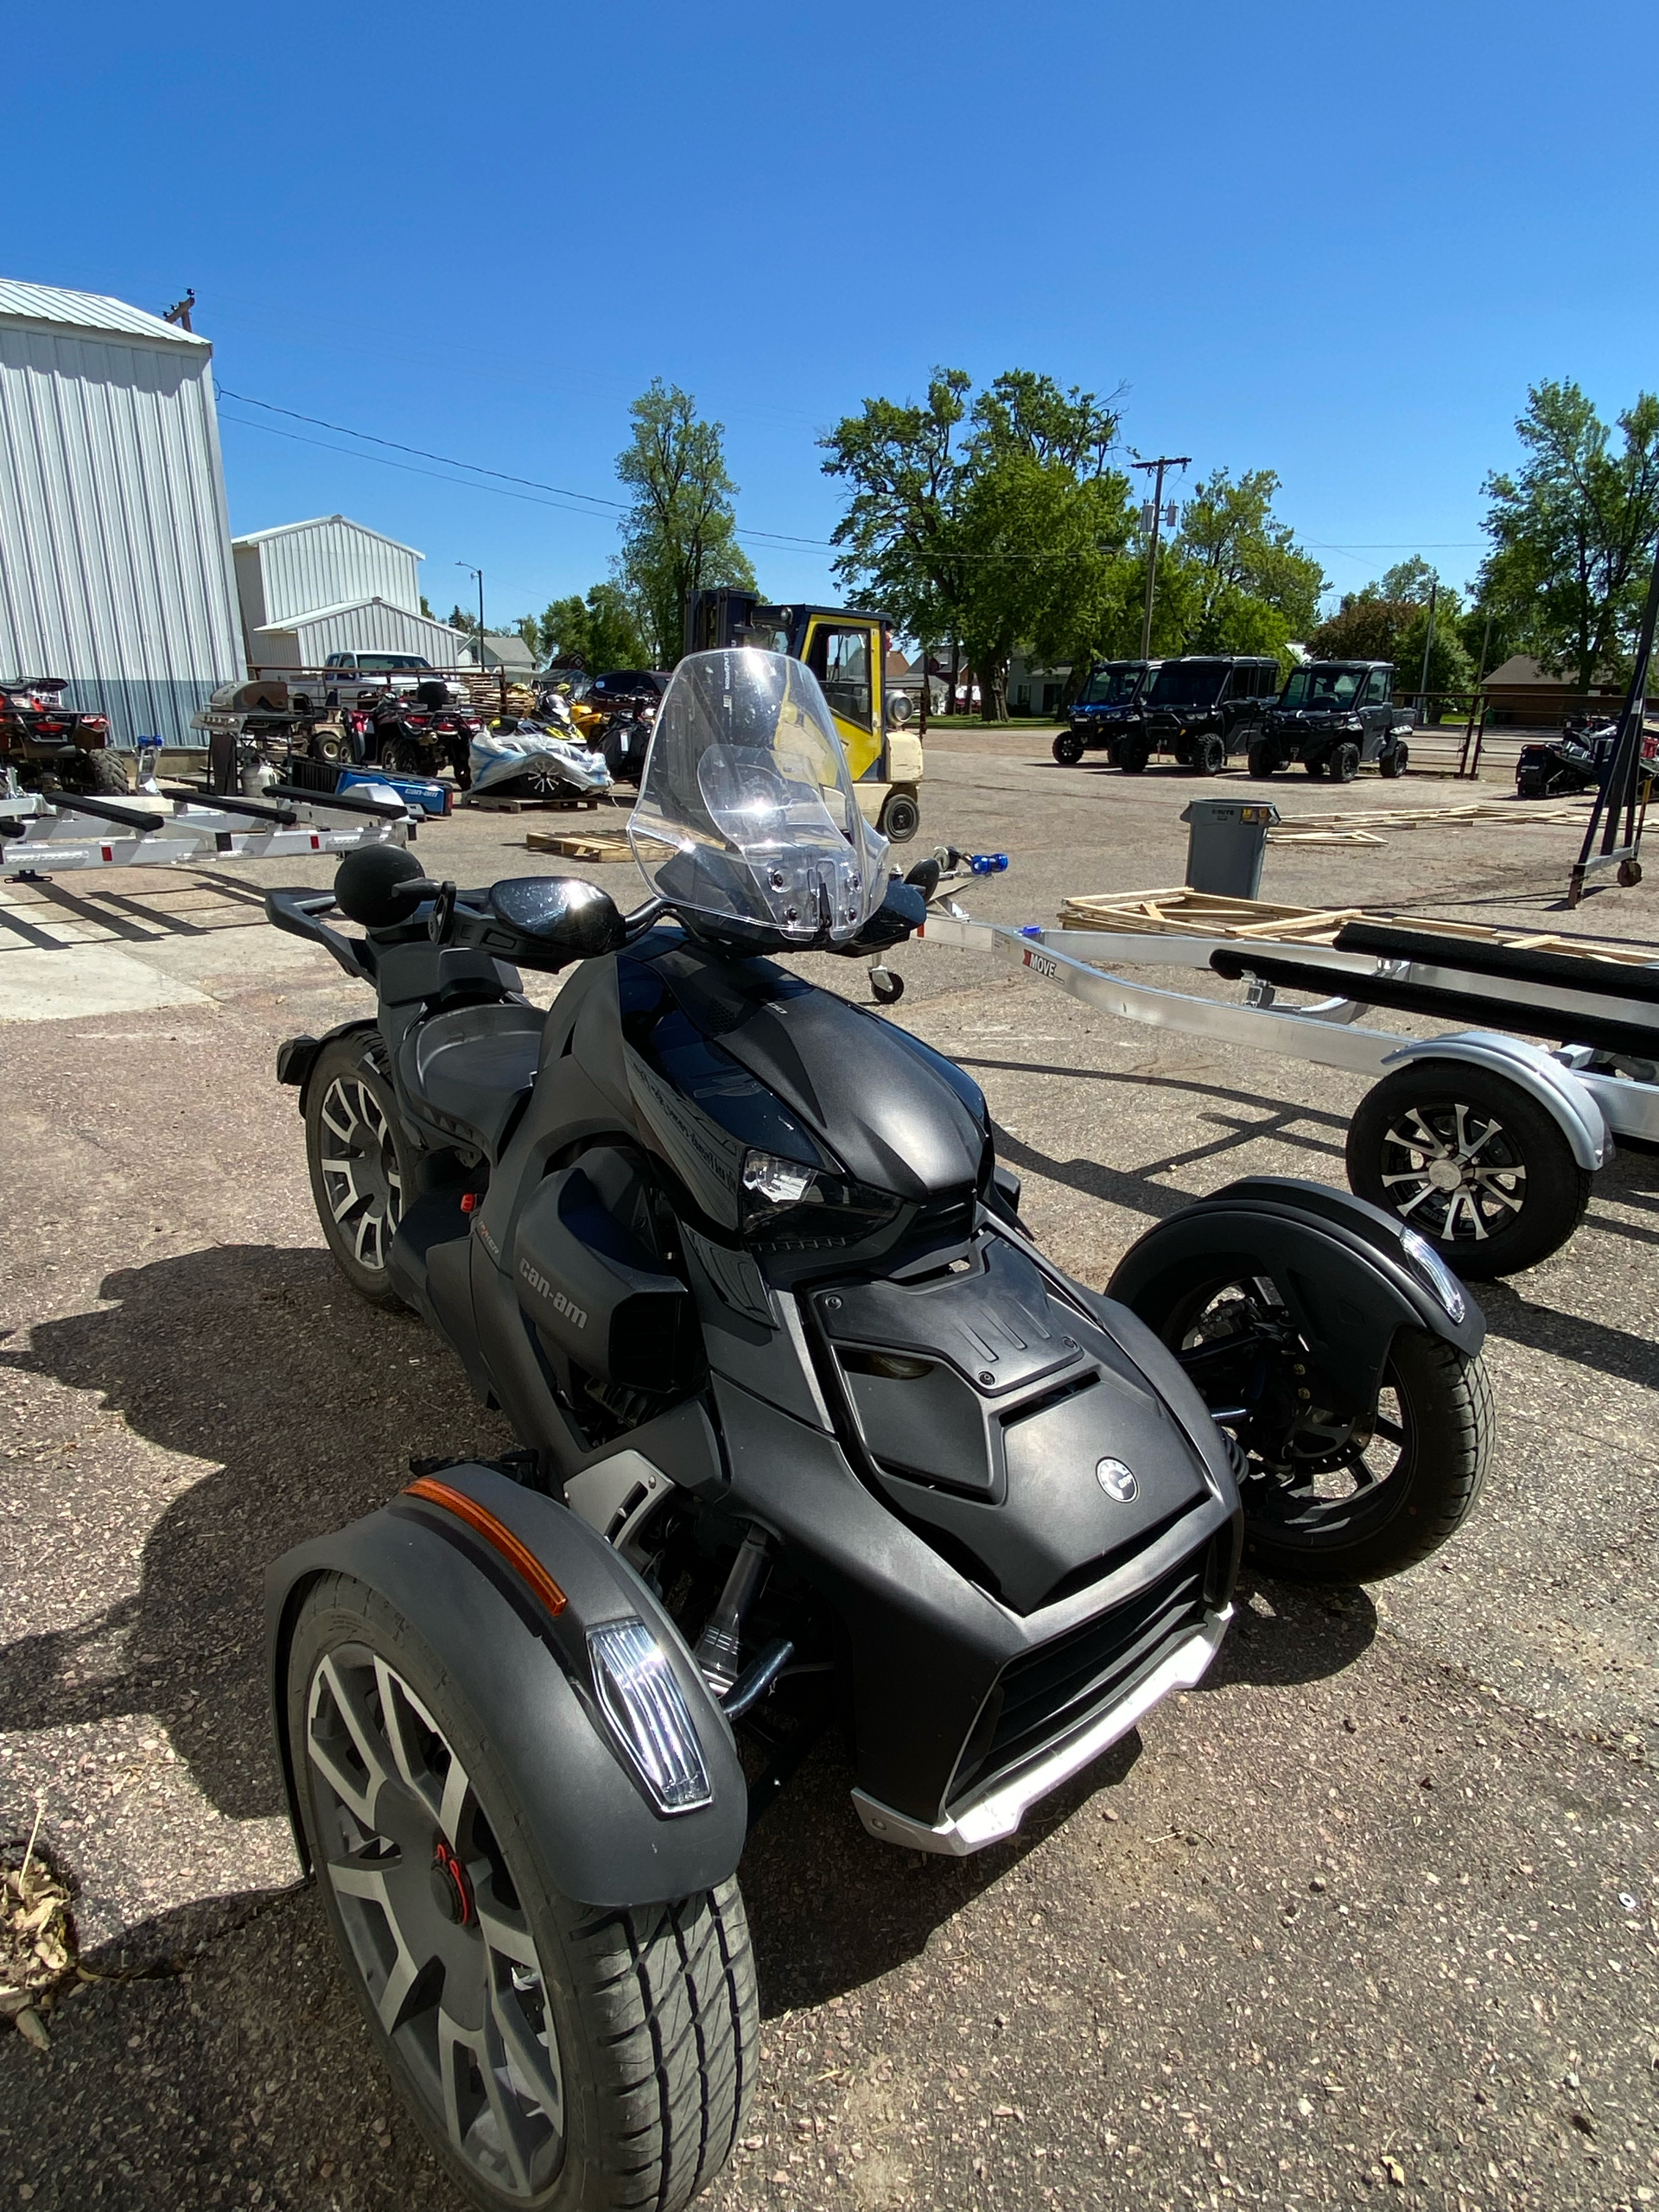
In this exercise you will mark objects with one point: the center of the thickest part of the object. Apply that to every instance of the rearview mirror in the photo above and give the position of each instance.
(563, 912)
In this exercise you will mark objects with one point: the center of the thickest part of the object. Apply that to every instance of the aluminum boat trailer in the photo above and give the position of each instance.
(172, 825)
(1461, 1175)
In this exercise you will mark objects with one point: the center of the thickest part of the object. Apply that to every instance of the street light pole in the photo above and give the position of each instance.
(479, 573)
(1164, 461)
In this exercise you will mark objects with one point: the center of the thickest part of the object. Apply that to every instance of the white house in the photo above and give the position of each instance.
(311, 588)
(115, 553)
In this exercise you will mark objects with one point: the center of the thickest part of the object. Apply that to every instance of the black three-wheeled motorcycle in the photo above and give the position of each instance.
(811, 1431)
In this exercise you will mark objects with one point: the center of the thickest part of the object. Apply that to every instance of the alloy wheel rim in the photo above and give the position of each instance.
(1453, 1171)
(434, 1921)
(362, 1183)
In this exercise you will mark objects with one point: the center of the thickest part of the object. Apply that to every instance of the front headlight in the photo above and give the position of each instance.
(1427, 1264)
(646, 1708)
(798, 1209)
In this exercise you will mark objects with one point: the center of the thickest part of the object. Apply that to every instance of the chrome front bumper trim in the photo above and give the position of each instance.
(997, 1810)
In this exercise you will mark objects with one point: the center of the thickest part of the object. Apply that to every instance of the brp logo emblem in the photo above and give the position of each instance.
(1116, 1480)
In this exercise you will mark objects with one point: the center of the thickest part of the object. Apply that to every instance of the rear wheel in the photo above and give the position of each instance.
(404, 756)
(1334, 1494)
(95, 773)
(1068, 748)
(1208, 754)
(553, 2056)
(1344, 764)
(361, 1169)
(1475, 1166)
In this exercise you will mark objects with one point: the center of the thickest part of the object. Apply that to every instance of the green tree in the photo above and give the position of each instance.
(459, 620)
(999, 536)
(1390, 620)
(1573, 532)
(1253, 588)
(680, 533)
(600, 631)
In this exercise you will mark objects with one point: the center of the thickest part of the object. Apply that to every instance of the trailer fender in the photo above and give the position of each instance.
(1343, 1267)
(478, 1574)
(1530, 1068)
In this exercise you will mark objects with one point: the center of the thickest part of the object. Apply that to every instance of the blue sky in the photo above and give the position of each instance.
(1332, 241)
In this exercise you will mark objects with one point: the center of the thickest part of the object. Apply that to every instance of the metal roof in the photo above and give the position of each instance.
(316, 522)
(293, 622)
(88, 311)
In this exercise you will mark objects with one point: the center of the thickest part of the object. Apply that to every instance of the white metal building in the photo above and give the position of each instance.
(115, 557)
(311, 588)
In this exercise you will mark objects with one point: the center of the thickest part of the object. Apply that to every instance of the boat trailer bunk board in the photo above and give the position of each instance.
(1587, 1054)
(178, 825)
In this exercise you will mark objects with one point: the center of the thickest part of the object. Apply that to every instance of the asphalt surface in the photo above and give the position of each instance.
(1372, 1911)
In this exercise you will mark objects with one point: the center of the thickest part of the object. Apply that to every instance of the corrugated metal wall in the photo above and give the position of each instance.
(115, 561)
(376, 628)
(332, 563)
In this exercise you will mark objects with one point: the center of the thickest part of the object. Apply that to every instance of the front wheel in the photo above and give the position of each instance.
(553, 2056)
(1344, 764)
(901, 817)
(1068, 748)
(1209, 755)
(362, 1170)
(1470, 1162)
(1133, 754)
(1314, 767)
(1393, 763)
(1260, 759)
(1335, 1495)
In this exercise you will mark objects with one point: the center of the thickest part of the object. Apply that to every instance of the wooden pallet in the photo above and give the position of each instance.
(1203, 913)
(579, 848)
(1514, 811)
(489, 803)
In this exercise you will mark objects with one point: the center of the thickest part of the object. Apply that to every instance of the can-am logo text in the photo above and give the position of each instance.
(556, 1298)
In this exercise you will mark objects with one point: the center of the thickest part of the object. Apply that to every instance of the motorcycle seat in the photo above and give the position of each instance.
(469, 1071)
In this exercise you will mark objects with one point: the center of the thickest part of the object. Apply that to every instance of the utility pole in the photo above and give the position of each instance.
(1428, 647)
(1164, 461)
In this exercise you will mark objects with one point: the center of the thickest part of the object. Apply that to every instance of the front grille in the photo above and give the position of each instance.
(1052, 1690)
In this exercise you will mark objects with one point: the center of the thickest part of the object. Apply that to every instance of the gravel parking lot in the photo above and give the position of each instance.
(1377, 1909)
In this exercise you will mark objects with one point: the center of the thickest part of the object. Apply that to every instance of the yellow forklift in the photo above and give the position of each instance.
(847, 650)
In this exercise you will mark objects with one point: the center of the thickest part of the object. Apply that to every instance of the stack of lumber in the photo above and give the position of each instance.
(1305, 828)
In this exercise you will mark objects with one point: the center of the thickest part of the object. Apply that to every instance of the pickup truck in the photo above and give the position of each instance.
(1335, 717)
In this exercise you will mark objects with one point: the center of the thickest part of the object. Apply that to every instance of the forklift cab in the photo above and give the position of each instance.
(846, 649)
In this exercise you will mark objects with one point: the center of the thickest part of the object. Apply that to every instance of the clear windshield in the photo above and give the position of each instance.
(1323, 687)
(746, 810)
(1197, 684)
(1114, 687)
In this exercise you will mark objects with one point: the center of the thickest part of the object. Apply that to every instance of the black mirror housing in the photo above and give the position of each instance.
(564, 913)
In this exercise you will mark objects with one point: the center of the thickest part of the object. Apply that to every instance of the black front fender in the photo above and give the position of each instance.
(297, 1056)
(1341, 1265)
(525, 1674)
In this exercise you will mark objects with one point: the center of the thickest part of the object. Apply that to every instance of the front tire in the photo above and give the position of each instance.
(1133, 754)
(1478, 1168)
(1339, 1496)
(553, 2056)
(1068, 748)
(1344, 764)
(901, 817)
(1393, 763)
(1209, 755)
(1315, 767)
(1260, 759)
(361, 1166)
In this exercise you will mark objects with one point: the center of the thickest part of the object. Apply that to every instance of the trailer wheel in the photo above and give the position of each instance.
(1468, 1160)
(1260, 759)
(360, 1169)
(1393, 763)
(1345, 763)
(1068, 748)
(901, 817)
(553, 2056)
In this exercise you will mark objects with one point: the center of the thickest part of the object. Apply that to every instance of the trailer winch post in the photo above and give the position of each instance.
(1621, 797)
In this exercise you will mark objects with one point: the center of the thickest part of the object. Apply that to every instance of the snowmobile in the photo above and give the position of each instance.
(810, 1430)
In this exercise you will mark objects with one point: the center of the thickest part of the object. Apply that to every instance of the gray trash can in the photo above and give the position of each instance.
(1224, 844)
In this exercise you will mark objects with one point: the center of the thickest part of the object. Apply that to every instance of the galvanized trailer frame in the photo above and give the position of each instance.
(151, 827)
(1589, 1101)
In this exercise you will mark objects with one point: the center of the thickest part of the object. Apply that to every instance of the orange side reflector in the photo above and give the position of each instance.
(524, 1563)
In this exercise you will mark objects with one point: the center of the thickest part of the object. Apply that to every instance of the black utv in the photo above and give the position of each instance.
(1335, 717)
(1202, 709)
(1110, 706)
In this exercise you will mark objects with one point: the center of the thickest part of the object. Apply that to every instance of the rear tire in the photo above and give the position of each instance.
(1068, 748)
(553, 2056)
(1519, 1192)
(361, 1168)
